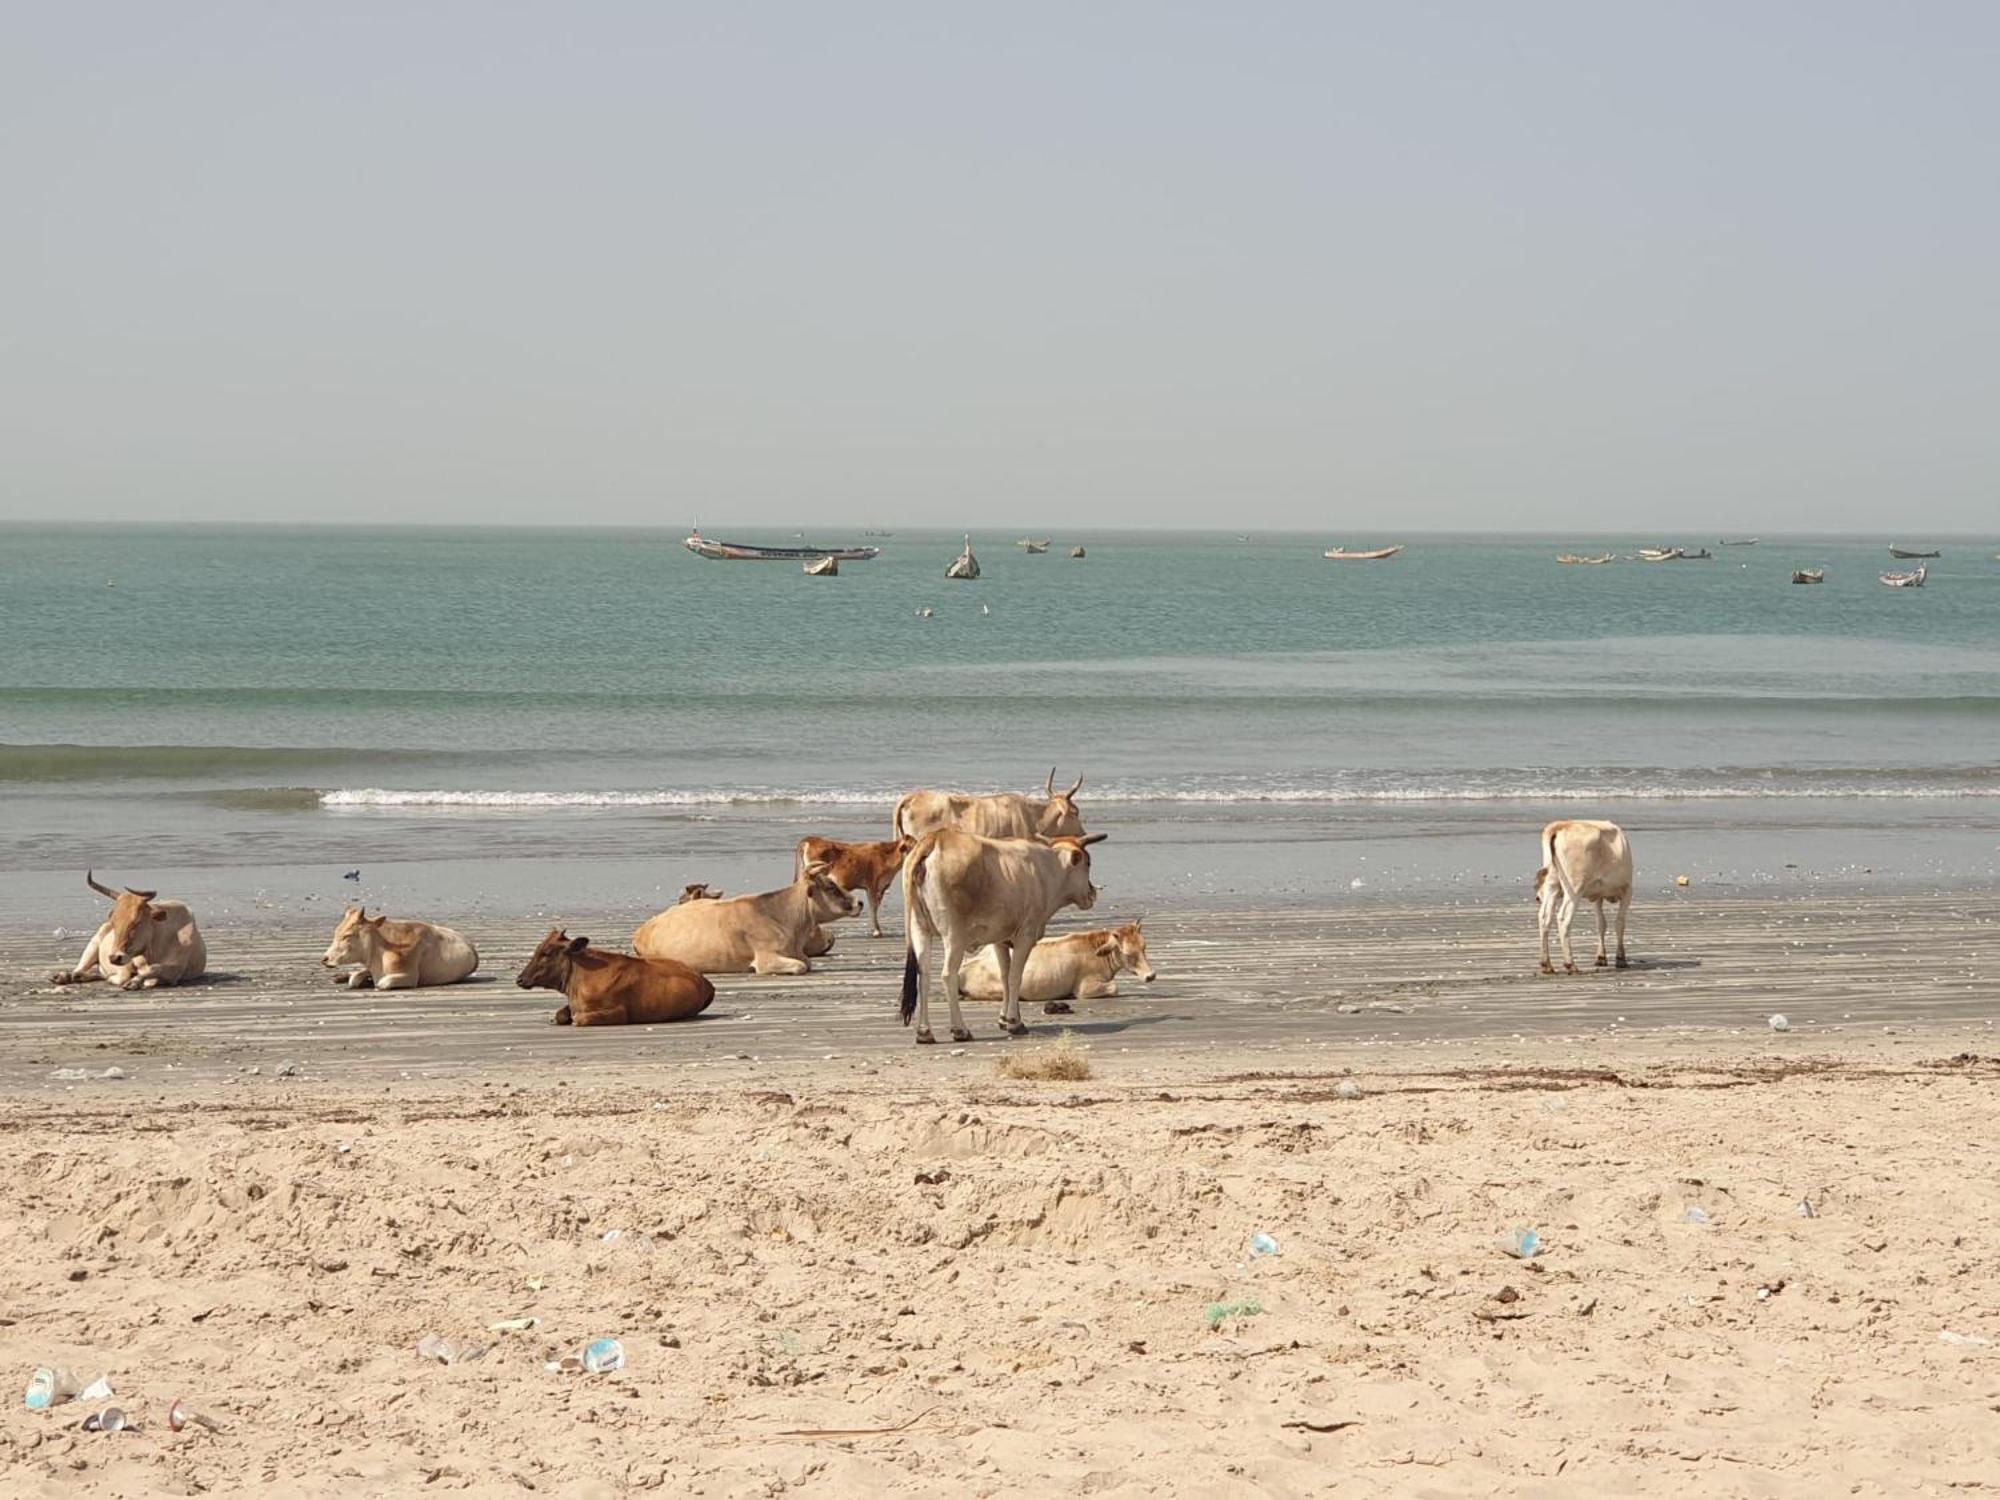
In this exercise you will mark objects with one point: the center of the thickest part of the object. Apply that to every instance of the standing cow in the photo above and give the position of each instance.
(1583, 861)
(775, 932)
(858, 867)
(961, 891)
(1003, 815)
(143, 944)
(397, 955)
(609, 989)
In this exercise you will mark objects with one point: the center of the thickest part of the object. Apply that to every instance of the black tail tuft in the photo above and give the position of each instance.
(909, 983)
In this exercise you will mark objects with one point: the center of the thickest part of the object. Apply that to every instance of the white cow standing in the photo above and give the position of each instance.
(1583, 861)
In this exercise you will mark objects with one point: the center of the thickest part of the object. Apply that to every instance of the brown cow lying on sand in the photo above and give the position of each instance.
(775, 932)
(858, 867)
(609, 989)
(1080, 966)
(397, 955)
(143, 944)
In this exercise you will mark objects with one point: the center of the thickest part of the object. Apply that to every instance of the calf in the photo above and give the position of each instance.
(1583, 861)
(143, 944)
(1079, 966)
(859, 867)
(609, 989)
(961, 892)
(397, 955)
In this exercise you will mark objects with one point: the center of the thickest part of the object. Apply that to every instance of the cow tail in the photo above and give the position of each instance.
(896, 817)
(1549, 855)
(914, 911)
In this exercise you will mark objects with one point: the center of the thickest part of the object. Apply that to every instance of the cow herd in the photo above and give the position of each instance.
(982, 876)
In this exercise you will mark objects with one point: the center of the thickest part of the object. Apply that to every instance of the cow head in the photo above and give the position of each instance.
(827, 901)
(130, 923)
(697, 892)
(350, 943)
(1126, 948)
(1058, 818)
(548, 967)
(1074, 857)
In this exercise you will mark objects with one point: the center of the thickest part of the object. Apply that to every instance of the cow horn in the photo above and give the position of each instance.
(90, 879)
(1049, 787)
(1093, 838)
(1075, 788)
(142, 895)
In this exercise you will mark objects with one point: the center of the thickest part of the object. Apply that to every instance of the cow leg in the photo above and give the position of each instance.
(920, 945)
(396, 979)
(954, 960)
(1601, 959)
(140, 975)
(1014, 961)
(819, 941)
(561, 1017)
(360, 979)
(86, 967)
(1544, 916)
(1563, 919)
(1623, 906)
(778, 963)
(1096, 989)
(875, 894)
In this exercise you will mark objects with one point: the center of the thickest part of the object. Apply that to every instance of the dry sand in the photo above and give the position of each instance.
(1018, 1276)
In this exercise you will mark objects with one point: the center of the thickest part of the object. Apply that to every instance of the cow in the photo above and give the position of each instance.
(610, 989)
(697, 892)
(963, 892)
(143, 944)
(1003, 815)
(1583, 861)
(1079, 966)
(858, 867)
(396, 955)
(772, 933)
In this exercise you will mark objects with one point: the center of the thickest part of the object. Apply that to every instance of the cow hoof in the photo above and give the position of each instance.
(1058, 1008)
(1569, 968)
(925, 1039)
(1014, 1028)
(1603, 962)
(962, 1034)
(1621, 962)
(1548, 968)
(65, 977)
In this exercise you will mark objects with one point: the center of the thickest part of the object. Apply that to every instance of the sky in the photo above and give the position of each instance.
(1532, 266)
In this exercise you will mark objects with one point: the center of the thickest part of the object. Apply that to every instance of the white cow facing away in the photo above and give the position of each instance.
(1583, 861)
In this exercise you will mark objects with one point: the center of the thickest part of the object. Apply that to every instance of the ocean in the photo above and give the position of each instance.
(496, 714)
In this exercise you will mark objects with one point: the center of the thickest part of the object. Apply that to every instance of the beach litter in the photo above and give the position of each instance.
(1347, 1088)
(111, 1419)
(1682, 881)
(1223, 1312)
(448, 1351)
(112, 1072)
(1780, 1023)
(513, 1325)
(50, 1385)
(1948, 1337)
(70, 1075)
(599, 1357)
(180, 1415)
(98, 1390)
(1806, 1210)
(1263, 1244)
(1522, 1244)
(1694, 1215)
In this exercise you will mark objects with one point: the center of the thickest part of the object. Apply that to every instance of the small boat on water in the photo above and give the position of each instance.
(1906, 580)
(1341, 554)
(1076, 552)
(1702, 556)
(965, 565)
(1910, 555)
(1809, 575)
(1738, 541)
(823, 567)
(1588, 562)
(1661, 554)
(1031, 544)
(715, 551)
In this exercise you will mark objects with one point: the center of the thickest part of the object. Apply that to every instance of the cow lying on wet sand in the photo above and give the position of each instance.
(775, 932)
(397, 955)
(1079, 966)
(143, 944)
(610, 989)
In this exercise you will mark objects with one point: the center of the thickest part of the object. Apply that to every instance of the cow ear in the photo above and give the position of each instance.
(1108, 948)
(377, 920)
(1070, 855)
(158, 915)
(577, 945)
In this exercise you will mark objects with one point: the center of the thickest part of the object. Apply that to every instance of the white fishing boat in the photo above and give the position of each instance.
(715, 551)
(1906, 580)
(1341, 554)
(965, 565)
(1909, 554)
(1662, 554)
(1738, 541)
(1033, 544)
(1587, 562)
(1076, 552)
(1809, 575)
(823, 567)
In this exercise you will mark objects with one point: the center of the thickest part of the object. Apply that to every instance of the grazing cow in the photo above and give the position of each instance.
(1078, 966)
(397, 955)
(697, 892)
(1004, 815)
(965, 892)
(143, 944)
(1583, 861)
(858, 867)
(772, 933)
(609, 989)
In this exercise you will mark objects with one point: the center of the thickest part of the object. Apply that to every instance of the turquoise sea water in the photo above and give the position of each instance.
(188, 697)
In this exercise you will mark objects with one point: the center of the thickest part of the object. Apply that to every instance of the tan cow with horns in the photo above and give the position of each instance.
(143, 944)
(1001, 815)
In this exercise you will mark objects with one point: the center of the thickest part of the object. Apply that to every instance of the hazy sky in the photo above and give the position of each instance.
(1526, 265)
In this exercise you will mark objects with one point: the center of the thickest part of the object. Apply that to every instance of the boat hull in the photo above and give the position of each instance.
(1341, 554)
(715, 551)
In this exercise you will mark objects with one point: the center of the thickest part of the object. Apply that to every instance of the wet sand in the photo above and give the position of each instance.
(1019, 1276)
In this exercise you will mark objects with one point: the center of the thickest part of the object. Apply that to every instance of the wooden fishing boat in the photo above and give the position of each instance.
(965, 565)
(1032, 544)
(1738, 541)
(1702, 556)
(1588, 562)
(1661, 554)
(1909, 555)
(715, 551)
(823, 567)
(1076, 552)
(1809, 575)
(1906, 580)
(1341, 554)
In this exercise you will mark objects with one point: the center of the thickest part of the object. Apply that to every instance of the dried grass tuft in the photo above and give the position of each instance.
(1065, 1060)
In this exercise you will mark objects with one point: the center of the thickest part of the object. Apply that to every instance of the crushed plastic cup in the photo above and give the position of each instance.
(1263, 1244)
(448, 1351)
(1695, 1215)
(181, 1415)
(49, 1386)
(111, 1419)
(98, 1390)
(1347, 1088)
(604, 1357)
(1806, 1210)
(1780, 1023)
(1522, 1244)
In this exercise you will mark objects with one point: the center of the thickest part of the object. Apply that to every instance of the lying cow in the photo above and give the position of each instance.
(858, 867)
(1003, 815)
(697, 892)
(143, 944)
(772, 933)
(1583, 861)
(609, 989)
(1080, 966)
(962, 892)
(396, 955)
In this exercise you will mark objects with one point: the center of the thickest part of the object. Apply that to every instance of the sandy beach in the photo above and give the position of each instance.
(806, 1230)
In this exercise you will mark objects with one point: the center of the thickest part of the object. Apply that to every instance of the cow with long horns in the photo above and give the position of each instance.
(144, 944)
(1000, 815)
